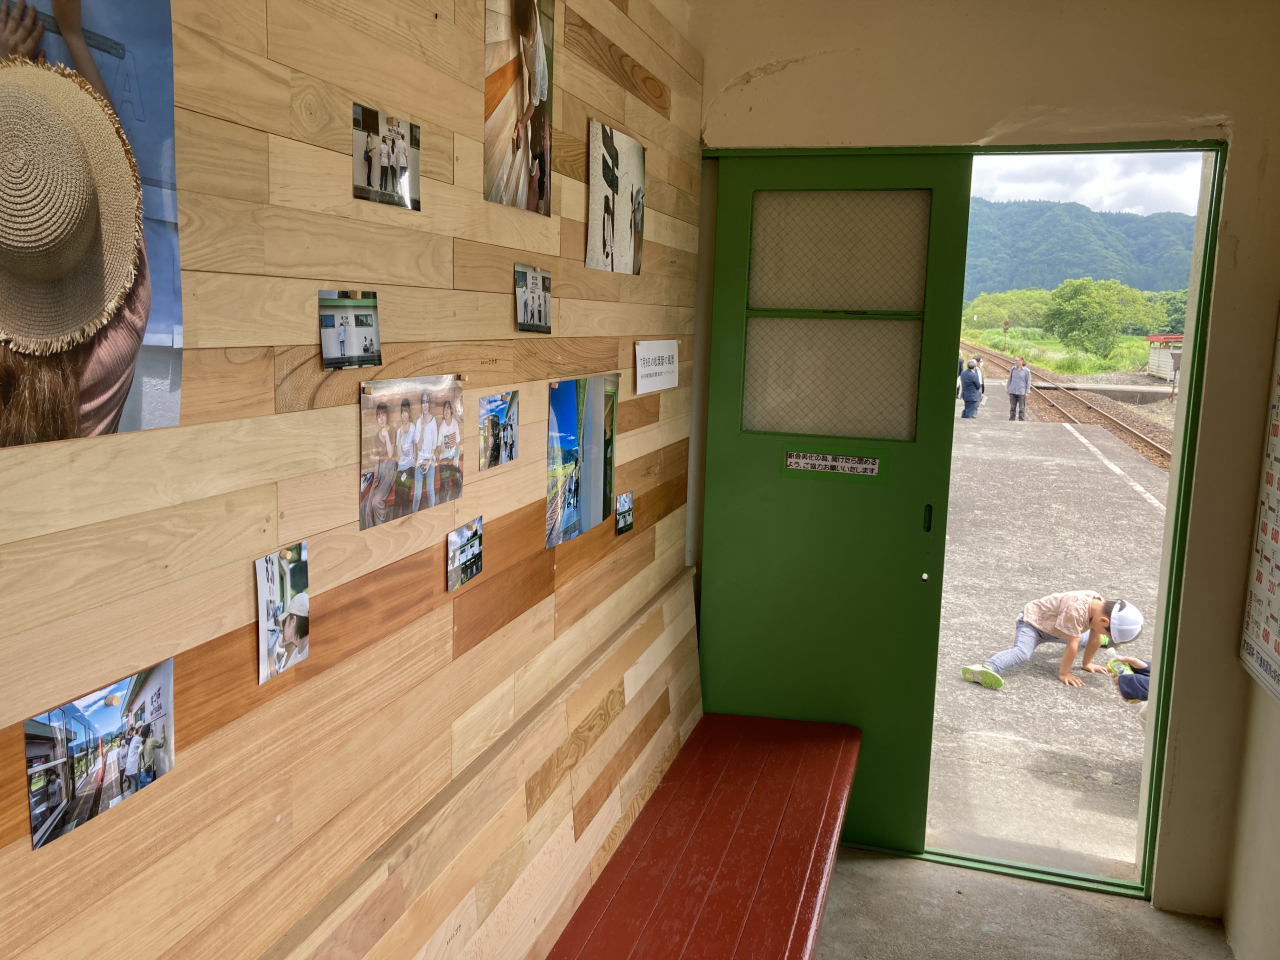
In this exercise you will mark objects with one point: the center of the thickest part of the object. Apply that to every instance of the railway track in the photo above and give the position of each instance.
(1081, 410)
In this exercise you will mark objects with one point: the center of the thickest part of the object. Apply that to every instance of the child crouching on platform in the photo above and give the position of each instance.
(1064, 618)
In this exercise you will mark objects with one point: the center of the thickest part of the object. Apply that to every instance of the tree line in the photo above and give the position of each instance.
(1084, 314)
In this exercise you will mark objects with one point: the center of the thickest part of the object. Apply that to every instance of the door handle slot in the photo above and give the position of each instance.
(928, 517)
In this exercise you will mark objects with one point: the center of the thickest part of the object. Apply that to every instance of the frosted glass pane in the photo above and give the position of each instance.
(839, 249)
(839, 378)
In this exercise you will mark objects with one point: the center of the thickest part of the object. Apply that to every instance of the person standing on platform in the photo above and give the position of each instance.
(970, 389)
(1018, 386)
(982, 378)
(384, 158)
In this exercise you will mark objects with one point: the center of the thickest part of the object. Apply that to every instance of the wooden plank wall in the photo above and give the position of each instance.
(446, 773)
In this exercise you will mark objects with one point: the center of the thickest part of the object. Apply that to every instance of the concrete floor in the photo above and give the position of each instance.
(1039, 772)
(886, 908)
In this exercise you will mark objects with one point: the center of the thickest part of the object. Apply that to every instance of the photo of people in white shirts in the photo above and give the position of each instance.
(385, 152)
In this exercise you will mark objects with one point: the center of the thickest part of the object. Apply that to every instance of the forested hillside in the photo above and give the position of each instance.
(1039, 243)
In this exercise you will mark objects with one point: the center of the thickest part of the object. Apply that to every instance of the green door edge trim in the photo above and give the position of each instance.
(1192, 385)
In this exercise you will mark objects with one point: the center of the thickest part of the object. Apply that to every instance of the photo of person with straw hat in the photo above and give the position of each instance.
(75, 293)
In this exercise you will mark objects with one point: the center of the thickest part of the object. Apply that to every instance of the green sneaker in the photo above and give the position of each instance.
(981, 673)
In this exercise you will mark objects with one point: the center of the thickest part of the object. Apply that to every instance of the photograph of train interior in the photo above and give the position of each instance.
(1068, 414)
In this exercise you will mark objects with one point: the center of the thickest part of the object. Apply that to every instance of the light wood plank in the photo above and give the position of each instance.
(317, 502)
(637, 443)
(238, 23)
(98, 480)
(226, 81)
(468, 163)
(596, 318)
(233, 384)
(101, 562)
(214, 156)
(666, 36)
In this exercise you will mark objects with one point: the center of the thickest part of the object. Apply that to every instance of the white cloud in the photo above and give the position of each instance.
(1140, 183)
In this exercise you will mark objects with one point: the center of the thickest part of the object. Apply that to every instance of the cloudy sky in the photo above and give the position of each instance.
(1126, 182)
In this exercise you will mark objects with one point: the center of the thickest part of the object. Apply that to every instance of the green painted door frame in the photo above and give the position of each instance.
(728, 682)
(808, 577)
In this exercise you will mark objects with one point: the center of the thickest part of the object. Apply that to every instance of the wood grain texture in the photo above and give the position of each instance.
(588, 805)
(639, 412)
(497, 602)
(394, 767)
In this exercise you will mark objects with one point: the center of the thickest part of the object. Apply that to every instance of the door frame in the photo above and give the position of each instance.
(1182, 472)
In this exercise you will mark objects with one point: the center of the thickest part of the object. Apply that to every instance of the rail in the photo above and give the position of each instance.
(1006, 361)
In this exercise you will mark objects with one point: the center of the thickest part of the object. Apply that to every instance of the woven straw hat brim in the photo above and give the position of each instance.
(45, 317)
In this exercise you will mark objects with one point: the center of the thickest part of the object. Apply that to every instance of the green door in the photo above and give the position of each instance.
(838, 290)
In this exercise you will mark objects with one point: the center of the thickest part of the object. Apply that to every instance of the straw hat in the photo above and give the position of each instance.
(70, 209)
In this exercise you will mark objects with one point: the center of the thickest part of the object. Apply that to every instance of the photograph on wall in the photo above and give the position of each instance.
(1260, 641)
(349, 329)
(104, 323)
(533, 299)
(615, 200)
(88, 755)
(499, 429)
(410, 446)
(284, 610)
(517, 103)
(582, 418)
(385, 155)
(464, 557)
(623, 511)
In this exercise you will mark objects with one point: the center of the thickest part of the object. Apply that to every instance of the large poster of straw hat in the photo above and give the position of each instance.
(91, 341)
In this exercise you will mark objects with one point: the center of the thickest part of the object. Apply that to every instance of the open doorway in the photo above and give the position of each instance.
(1080, 263)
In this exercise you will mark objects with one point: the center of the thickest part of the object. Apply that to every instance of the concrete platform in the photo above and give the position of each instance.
(1040, 772)
(886, 908)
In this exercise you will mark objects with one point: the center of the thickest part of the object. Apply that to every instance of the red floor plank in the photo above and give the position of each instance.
(635, 900)
(716, 933)
(672, 921)
(732, 855)
(767, 931)
(804, 935)
(705, 736)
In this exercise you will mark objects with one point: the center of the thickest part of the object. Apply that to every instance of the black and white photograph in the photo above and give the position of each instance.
(518, 58)
(410, 446)
(533, 299)
(623, 512)
(284, 610)
(464, 556)
(349, 329)
(582, 421)
(499, 429)
(615, 200)
(86, 756)
(385, 154)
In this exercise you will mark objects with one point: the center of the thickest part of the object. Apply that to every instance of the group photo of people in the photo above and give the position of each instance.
(385, 158)
(86, 756)
(410, 446)
(533, 299)
(517, 118)
(499, 429)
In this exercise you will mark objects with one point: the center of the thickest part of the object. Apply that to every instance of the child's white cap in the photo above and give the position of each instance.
(1126, 624)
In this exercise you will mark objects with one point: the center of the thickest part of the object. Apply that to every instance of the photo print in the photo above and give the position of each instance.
(86, 756)
(615, 200)
(517, 103)
(580, 440)
(349, 329)
(284, 610)
(624, 512)
(533, 299)
(410, 446)
(465, 559)
(131, 367)
(499, 429)
(385, 154)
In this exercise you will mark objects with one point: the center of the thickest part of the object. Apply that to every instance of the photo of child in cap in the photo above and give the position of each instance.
(284, 610)
(73, 260)
(1071, 618)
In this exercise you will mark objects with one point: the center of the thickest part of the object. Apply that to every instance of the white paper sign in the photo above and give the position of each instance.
(1260, 645)
(657, 365)
(833, 463)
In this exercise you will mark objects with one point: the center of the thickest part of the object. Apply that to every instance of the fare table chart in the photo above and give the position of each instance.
(1260, 644)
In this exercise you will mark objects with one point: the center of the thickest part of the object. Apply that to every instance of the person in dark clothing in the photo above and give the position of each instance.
(1132, 678)
(1017, 387)
(970, 390)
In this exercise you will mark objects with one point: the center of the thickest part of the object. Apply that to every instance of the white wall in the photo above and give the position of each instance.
(859, 73)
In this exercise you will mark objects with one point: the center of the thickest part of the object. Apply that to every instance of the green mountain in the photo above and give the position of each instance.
(1039, 243)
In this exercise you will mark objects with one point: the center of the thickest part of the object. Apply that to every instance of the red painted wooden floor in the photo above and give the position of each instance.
(731, 856)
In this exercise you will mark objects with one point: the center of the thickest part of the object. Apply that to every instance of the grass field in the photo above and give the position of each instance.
(1052, 355)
